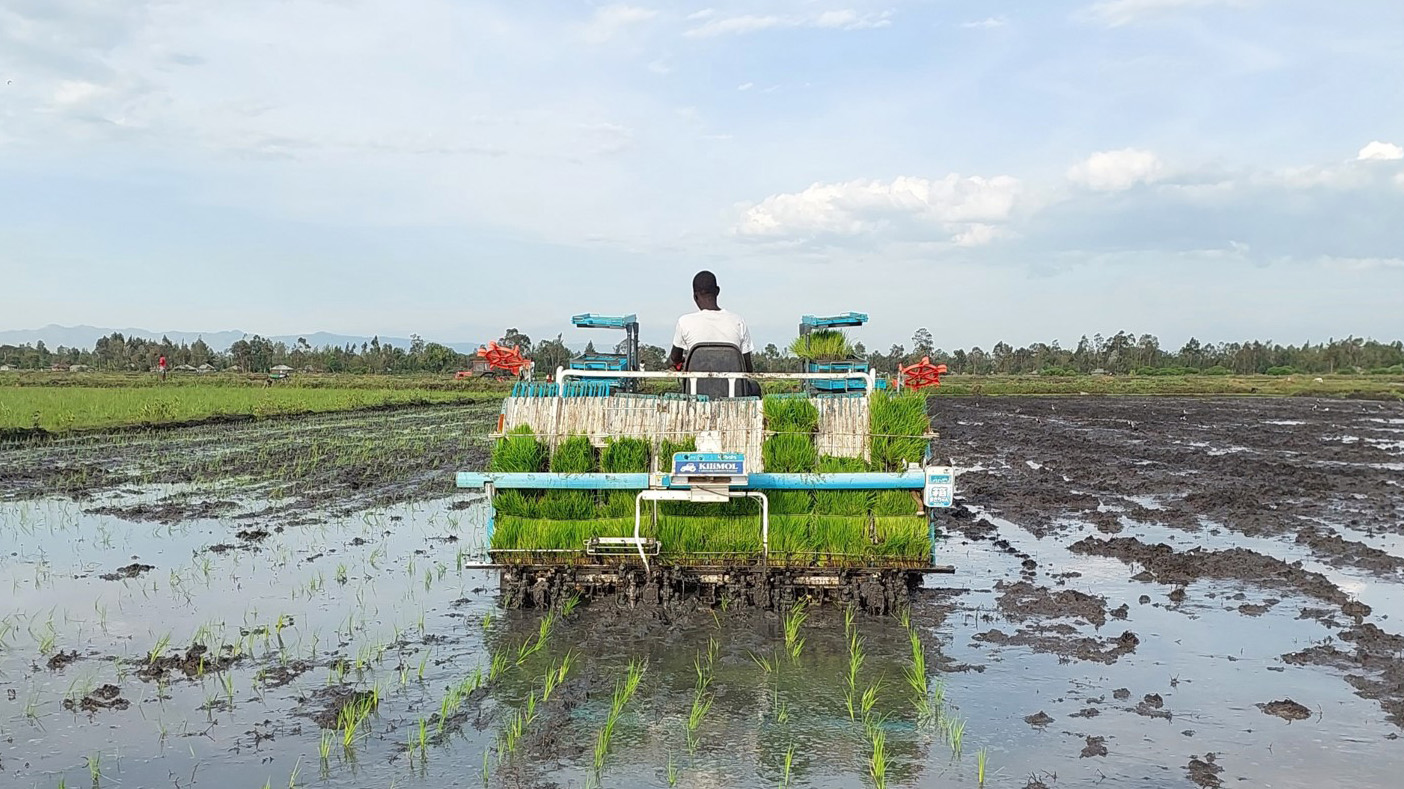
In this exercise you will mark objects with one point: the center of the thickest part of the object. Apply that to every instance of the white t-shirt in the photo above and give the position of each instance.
(712, 326)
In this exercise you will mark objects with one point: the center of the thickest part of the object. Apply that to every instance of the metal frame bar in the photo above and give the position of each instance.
(685, 495)
(563, 373)
(911, 479)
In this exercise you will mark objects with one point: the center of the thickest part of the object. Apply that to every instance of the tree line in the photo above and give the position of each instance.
(1120, 354)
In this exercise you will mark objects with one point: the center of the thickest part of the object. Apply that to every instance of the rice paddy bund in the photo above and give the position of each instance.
(807, 528)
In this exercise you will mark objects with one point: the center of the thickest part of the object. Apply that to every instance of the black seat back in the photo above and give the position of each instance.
(717, 357)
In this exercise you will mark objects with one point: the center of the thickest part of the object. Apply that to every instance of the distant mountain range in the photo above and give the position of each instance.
(54, 335)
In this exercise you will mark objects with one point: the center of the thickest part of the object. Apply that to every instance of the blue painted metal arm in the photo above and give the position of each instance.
(902, 480)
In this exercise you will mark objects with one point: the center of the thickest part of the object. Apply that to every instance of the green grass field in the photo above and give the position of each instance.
(60, 401)
(59, 409)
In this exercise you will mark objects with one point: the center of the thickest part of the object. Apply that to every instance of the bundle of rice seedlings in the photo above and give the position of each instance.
(825, 344)
(790, 414)
(789, 540)
(684, 537)
(838, 538)
(622, 456)
(841, 502)
(532, 534)
(518, 451)
(790, 502)
(789, 452)
(908, 539)
(899, 425)
(667, 447)
(574, 455)
(890, 503)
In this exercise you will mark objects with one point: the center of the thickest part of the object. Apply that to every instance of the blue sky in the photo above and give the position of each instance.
(1017, 171)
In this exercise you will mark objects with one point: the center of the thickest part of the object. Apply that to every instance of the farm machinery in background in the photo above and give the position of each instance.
(556, 527)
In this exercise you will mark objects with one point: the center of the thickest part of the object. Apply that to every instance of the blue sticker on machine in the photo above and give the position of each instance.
(709, 464)
(940, 486)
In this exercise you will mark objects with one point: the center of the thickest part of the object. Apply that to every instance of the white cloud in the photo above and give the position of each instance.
(703, 14)
(746, 86)
(986, 23)
(1380, 151)
(1116, 13)
(609, 20)
(1362, 264)
(965, 208)
(845, 19)
(1115, 171)
(75, 92)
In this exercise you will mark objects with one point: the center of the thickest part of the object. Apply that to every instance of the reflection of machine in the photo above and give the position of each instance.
(749, 496)
(610, 362)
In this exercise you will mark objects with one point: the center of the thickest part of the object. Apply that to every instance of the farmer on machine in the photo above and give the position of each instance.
(710, 324)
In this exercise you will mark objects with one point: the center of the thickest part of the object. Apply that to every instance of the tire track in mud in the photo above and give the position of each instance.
(1267, 472)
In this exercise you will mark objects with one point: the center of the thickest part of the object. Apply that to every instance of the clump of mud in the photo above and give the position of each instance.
(1286, 709)
(61, 659)
(327, 703)
(1039, 718)
(197, 661)
(1063, 640)
(281, 675)
(1023, 600)
(107, 697)
(1163, 564)
(1205, 772)
(132, 570)
(1374, 668)
(1096, 746)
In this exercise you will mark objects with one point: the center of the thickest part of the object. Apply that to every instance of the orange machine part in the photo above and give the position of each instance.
(922, 374)
(504, 357)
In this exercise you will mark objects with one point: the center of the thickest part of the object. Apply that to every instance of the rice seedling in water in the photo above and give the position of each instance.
(955, 734)
(917, 680)
(624, 690)
(672, 773)
(855, 664)
(794, 644)
(787, 766)
(980, 758)
(877, 760)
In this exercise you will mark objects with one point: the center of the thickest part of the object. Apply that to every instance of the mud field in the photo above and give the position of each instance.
(1152, 592)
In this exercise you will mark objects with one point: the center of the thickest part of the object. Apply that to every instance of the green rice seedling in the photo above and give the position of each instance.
(790, 414)
(955, 734)
(95, 767)
(574, 455)
(917, 679)
(787, 766)
(823, 344)
(518, 451)
(790, 502)
(500, 664)
(877, 760)
(794, 619)
(701, 705)
(160, 648)
(624, 690)
(766, 664)
(841, 502)
(868, 699)
(899, 426)
(672, 771)
(856, 656)
(789, 453)
(981, 757)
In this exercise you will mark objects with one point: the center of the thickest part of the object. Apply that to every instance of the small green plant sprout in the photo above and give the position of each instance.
(787, 767)
(877, 760)
(917, 680)
(672, 770)
(95, 767)
(624, 690)
(981, 756)
(955, 734)
(869, 699)
(767, 664)
(794, 644)
(160, 648)
(855, 664)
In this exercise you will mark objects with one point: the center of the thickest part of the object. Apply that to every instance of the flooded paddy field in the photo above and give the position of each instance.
(1149, 592)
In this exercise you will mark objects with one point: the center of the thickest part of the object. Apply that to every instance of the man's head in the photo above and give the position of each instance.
(705, 290)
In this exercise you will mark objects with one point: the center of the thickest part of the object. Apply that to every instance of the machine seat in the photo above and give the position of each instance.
(717, 357)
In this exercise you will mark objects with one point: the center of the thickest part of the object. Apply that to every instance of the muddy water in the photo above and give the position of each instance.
(302, 600)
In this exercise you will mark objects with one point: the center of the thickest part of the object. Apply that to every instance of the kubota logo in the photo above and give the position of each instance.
(687, 468)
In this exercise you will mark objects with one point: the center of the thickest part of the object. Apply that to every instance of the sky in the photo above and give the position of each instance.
(1016, 171)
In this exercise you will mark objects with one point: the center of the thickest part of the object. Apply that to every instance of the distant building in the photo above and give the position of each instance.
(183, 368)
(205, 368)
(78, 368)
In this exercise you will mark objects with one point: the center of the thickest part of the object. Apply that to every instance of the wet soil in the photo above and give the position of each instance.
(61, 659)
(1286, 709)
(107, 697)
(1308, 489)
(1205, 772)
(133, 570)
(196, 661)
